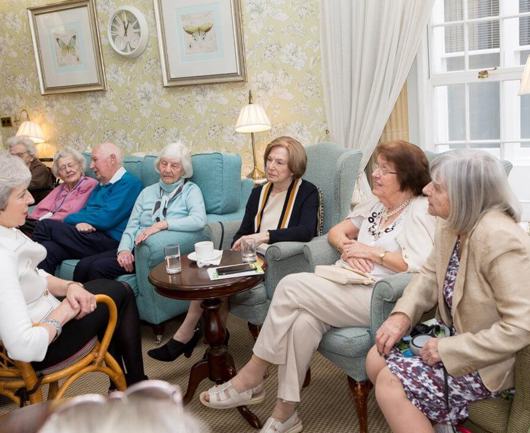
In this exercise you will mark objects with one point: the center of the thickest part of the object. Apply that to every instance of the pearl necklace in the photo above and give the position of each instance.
(387, 214)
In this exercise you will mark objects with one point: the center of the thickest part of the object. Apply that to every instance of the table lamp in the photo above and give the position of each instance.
(30, 129)
(253, 118)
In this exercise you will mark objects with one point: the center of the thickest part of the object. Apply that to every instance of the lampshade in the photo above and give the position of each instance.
(252, 118)
(525, 79)
(32, 130)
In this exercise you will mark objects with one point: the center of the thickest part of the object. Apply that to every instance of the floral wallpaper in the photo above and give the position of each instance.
(283, 71)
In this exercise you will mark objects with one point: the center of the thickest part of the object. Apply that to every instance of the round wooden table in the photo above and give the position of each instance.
(193, 283)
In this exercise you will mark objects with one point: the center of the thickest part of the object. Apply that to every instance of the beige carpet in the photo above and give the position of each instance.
(326, 405)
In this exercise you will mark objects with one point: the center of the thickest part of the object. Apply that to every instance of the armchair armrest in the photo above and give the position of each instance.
(221, 233)
(385, 294)
(319, 252)
(283, 250)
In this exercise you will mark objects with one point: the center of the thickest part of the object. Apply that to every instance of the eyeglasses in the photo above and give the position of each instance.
(382, 171)
(64, 167)
(146, 390)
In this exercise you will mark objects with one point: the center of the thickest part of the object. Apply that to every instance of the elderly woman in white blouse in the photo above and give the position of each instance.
(29, 296)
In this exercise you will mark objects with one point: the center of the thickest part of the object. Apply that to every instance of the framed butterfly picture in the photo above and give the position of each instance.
(67, 47)
(200, 41)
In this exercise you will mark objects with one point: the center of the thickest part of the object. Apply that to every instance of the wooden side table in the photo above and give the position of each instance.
(193, 283)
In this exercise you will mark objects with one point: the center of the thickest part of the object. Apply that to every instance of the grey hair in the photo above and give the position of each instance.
(25, 141)
(180, 152)
(13, 174)
(63, 153)
(138, 415)
(476, 182)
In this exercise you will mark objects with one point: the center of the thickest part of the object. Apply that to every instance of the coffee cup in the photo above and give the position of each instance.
(204, 250)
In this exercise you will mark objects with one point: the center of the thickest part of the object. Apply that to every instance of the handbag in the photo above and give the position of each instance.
(343, 275)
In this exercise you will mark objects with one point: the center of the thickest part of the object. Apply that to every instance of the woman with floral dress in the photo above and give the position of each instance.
(477, 276)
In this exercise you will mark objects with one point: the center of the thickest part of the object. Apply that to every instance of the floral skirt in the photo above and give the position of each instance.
(425, 388)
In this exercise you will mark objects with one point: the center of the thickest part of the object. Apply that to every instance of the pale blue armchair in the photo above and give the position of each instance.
(333, 169)
(225, 195)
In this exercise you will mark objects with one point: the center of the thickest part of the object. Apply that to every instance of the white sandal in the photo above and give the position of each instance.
(225, 396)
(293, 424)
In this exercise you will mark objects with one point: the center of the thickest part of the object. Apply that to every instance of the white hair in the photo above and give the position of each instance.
(476, 182)
(13, 174)
(181, 153)
(138, 415)
(64, 153)
(25, 141)
(108, 149)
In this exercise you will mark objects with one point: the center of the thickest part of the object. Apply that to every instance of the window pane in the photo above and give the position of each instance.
(482, 8)
(483, 35)
(524, 31)
(447, 40)
(481, 61)
(453, 10)
(455, 63)
(484, 112)
(449, 106)
(525, 117)
(524, 6)
(515, 33)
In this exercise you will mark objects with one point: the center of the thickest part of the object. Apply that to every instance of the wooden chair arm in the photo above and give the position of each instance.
(111, 326)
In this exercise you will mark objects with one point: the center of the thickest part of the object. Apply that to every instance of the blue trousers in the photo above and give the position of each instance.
(62, 241)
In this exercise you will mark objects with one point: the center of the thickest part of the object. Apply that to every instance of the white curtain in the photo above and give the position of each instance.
(368, 47)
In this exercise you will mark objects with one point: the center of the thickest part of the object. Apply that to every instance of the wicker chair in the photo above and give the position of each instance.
(21, 383)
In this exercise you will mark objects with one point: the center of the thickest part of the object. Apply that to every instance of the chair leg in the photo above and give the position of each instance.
(158, 330)
(360, 391)
(254, 330)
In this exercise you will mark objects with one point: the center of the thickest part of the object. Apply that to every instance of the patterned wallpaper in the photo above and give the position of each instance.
(283, 71)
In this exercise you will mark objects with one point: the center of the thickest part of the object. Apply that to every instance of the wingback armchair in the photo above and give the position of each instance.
(333, 169)
(347, 347)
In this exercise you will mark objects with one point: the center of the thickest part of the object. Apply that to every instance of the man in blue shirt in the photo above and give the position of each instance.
(99, 225)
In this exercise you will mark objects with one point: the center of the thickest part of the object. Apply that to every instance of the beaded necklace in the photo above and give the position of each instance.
(384, 216)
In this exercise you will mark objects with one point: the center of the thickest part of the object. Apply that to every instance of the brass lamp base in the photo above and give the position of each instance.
(256, 174)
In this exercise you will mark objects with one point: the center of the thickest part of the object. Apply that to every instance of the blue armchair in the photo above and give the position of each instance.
(225, 195)
(333, 169)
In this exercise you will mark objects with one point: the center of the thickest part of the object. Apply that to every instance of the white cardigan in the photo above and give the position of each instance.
(24, 299)
(416, 238)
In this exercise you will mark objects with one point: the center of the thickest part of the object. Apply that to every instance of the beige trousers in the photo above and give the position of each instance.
(303, 308)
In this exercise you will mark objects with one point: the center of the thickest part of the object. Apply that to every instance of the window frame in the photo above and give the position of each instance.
(425, 81)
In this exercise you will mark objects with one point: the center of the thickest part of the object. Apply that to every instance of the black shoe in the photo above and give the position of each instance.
(173, 348)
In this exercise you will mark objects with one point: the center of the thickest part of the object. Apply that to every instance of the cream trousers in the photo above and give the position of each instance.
(303, 308)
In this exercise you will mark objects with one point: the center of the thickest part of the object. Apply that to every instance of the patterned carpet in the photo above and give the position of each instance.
(326, 406)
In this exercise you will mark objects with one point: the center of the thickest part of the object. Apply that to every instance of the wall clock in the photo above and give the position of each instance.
(127, 31)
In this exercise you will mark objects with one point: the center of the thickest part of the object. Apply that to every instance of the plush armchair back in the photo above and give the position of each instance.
(333, 170)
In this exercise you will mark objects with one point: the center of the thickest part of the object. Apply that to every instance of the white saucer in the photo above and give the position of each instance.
(216, 254)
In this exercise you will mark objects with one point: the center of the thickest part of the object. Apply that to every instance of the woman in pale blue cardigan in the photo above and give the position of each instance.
(174, 203)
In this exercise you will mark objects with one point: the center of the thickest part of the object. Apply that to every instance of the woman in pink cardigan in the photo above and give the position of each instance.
(70, 196)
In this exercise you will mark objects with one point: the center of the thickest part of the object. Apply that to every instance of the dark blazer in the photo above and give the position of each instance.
(302, 226)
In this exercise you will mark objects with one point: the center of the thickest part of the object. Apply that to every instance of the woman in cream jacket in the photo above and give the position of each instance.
(477, 276)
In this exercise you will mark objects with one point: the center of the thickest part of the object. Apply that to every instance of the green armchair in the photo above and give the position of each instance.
(333, 169)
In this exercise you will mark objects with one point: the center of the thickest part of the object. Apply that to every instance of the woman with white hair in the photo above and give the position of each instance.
(68, 197)
(42, 180)
(174, 203)
(37, 310)
(477, 276)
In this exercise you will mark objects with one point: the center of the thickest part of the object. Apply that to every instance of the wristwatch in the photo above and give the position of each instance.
(382, 256)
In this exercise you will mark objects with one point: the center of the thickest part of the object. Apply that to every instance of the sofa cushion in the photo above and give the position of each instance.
(218, 176)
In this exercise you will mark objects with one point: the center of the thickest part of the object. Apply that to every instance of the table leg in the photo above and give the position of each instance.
(217, 364)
